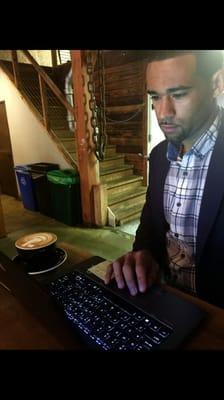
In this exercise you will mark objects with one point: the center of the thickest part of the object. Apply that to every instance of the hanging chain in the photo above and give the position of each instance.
(102, 105)
(92, 102)
(97, 136)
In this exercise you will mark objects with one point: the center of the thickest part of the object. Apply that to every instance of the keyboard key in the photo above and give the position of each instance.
(147, 344)
(164, 332)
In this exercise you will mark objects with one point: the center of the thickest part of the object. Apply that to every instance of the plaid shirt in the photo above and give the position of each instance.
(183, 193)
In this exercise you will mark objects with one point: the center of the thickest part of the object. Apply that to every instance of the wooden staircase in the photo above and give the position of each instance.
(126, 193)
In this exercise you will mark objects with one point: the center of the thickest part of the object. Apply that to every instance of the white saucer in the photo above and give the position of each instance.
(51, 263)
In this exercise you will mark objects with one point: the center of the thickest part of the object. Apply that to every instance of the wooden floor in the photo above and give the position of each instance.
(108, 243)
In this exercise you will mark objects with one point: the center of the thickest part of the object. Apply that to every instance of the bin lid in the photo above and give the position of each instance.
(42, 167)
(21, 167)
(63, 177)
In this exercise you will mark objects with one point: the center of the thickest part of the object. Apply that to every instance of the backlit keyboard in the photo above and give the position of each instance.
(104, 319)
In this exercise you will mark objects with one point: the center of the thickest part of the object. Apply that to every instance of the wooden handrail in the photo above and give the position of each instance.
(49, 82)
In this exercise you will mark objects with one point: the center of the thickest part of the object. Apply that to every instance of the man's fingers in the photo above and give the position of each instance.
(114, 270)
(142, 268)
(129, 274)
(136, 270)
(141, 274)
(108, 274)
(117, 269)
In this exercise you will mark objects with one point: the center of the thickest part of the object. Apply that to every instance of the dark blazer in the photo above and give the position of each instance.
(210, 238)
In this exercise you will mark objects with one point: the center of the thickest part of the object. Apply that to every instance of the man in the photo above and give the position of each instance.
(181, 231)
(70, 100)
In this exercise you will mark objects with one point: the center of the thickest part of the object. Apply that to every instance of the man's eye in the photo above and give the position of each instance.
(179, 95)
(154, 98)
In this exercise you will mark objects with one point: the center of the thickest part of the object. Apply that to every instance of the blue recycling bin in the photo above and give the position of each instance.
(26, 185)
(41, 185)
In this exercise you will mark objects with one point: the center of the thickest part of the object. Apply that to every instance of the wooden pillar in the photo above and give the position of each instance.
(54, 58)
(100, 204)
(87, 161)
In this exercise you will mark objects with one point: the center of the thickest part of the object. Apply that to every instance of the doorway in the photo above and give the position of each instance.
(8, 183)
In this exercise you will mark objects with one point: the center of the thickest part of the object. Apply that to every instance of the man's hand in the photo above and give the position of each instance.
(137, 269)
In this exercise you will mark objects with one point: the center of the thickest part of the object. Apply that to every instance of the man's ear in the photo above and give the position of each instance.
(218, 83)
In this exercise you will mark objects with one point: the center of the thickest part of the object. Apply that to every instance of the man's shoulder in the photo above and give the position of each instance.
(159, 149)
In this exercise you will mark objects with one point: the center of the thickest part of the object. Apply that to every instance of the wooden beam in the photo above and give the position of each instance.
(54, 58)
(125, 109)
(87, 161)
(100, 204)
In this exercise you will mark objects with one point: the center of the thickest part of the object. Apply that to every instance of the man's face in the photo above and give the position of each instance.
(183, 101)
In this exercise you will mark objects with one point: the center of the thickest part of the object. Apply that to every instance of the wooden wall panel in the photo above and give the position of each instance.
(124, 98)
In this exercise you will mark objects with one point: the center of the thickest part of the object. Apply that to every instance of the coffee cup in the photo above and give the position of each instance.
(36, 246)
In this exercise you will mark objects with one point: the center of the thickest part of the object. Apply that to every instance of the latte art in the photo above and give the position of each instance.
(36, 241)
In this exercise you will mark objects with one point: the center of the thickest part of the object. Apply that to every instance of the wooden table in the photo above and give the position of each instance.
(28, 319)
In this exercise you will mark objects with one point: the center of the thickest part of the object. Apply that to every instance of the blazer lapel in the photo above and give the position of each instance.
(163, 167)
(213, 193)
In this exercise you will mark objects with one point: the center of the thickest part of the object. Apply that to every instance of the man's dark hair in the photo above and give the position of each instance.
(208, 61)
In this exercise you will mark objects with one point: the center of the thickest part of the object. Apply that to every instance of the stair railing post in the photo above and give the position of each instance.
(87, 161)
(15, 68)
(100, 204)
(54, 58)
(44, 103)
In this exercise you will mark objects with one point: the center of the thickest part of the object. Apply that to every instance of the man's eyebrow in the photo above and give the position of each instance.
(175, 89)
(170, 90)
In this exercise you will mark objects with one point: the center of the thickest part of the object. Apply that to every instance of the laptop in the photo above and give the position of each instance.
(108, 318)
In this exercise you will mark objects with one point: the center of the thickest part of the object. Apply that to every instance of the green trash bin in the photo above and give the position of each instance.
(65, 196)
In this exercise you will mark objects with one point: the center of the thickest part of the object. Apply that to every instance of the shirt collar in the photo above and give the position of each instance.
(201, 147)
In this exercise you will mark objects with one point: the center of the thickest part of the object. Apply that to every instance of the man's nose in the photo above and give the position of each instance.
(166, 108)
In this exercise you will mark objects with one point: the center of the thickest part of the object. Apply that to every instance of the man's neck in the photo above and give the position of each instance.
(188, 143)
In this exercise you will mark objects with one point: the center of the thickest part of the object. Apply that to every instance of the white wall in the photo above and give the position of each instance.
(156, 134)
(29, 139)
(43, 57)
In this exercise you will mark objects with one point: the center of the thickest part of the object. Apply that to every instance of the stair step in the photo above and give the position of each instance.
(110, 174)
(124, 181)
(59, 123)
(124, 184)
(114, 161)
(130, 218)
(69, 144)
(110, 150)
(57, 112)
(64, 133)
(122, 208)
(128, 213)
(130, 194)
